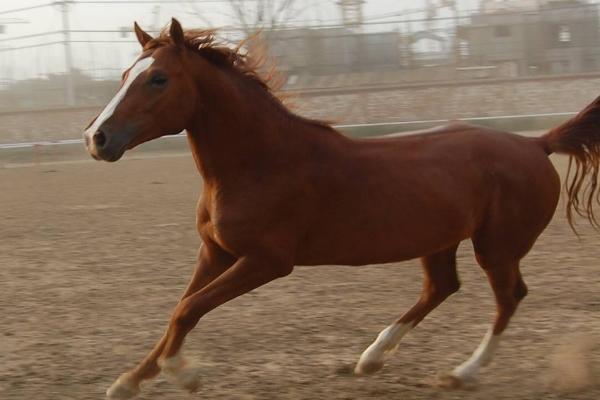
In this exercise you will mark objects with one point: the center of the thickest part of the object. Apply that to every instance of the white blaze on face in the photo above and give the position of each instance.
(134, 72)
(373, 358)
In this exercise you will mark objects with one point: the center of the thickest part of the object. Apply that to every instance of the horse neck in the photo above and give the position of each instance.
(243, 128)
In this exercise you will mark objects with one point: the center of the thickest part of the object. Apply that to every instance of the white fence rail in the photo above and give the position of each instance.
(400, 126)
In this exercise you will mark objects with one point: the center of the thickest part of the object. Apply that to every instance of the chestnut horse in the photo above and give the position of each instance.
(281, 190)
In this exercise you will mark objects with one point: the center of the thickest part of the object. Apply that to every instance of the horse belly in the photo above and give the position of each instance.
(374, 235)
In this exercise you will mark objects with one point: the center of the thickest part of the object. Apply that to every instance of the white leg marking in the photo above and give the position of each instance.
(181, 372)
(123, 388)
(134, 72)
(480, 358)
(373, 358)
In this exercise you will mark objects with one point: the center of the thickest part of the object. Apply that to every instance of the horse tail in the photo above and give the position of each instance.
(579, 138)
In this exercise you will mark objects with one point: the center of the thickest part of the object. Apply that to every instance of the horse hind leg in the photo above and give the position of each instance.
(510, 229)
(509, 289)
(440, 281)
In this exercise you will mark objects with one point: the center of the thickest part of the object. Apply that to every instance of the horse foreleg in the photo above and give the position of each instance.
(440, 281)
(246, 274)
(212, 262)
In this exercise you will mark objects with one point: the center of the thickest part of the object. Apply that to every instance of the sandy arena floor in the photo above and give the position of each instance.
(94, 256)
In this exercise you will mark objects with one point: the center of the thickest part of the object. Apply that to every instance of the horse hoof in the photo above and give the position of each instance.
(452, 381)
(188, 378)
(368, 367)
(449, 381)
(123, 388)
(181, 372)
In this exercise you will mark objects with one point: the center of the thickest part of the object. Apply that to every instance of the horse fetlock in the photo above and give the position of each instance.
(466, 371)
(386, 344)
(368, 366)
(371, 360)
(181, 372)
(125, 387)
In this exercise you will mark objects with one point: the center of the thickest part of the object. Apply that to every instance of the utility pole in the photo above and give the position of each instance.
(7, 68)
(352, 13)
(69, 87)
(456, 45)
(156, 20)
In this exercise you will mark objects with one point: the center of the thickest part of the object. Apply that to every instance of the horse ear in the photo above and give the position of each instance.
(176, 33)
(142, 36)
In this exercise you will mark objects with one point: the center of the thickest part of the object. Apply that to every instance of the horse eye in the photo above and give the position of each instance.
(158, 80)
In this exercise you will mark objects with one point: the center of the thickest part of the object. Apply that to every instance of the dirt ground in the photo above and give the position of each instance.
(94, 256)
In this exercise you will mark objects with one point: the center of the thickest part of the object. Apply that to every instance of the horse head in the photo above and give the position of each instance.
(156, 98)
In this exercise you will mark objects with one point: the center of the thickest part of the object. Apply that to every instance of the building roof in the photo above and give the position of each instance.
(502, 6)
(494, 6)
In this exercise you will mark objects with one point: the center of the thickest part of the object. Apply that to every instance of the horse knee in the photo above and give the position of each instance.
(185, 316)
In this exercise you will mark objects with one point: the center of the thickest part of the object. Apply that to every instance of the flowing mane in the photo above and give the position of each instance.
(248, 59)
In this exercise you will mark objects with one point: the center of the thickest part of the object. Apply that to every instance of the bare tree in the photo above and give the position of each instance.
(250, 16)
(262, 14)
(256, 20)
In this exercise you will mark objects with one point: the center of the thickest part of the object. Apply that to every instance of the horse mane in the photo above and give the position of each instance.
(249, 59)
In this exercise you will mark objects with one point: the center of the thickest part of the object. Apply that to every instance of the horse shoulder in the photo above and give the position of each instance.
(249, 219)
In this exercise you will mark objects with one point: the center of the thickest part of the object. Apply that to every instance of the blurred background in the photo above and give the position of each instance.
(95, 255)
(349, 61)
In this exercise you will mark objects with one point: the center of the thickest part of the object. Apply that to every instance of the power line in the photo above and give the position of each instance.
(149, 1)
(4, 49)
(31, 36)
(123, 40)
(513, 42)
(107, 31)
(14, 10)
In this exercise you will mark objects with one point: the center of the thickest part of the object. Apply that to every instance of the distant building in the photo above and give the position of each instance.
(506, 38)
(494, 6)
(532, 37)
(428, 48)
(334, 50)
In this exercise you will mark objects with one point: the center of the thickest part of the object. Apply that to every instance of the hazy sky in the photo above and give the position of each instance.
(98, 16)
(106, 57)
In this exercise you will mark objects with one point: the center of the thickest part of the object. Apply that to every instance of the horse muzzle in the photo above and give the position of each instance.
(106, 145)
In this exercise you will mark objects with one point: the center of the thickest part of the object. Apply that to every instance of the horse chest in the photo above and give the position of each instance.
(234, 227)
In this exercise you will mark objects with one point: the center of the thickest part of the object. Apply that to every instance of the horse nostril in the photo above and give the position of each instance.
(99, 139)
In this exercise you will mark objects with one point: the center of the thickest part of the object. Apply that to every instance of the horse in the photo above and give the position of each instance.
(281, 190)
